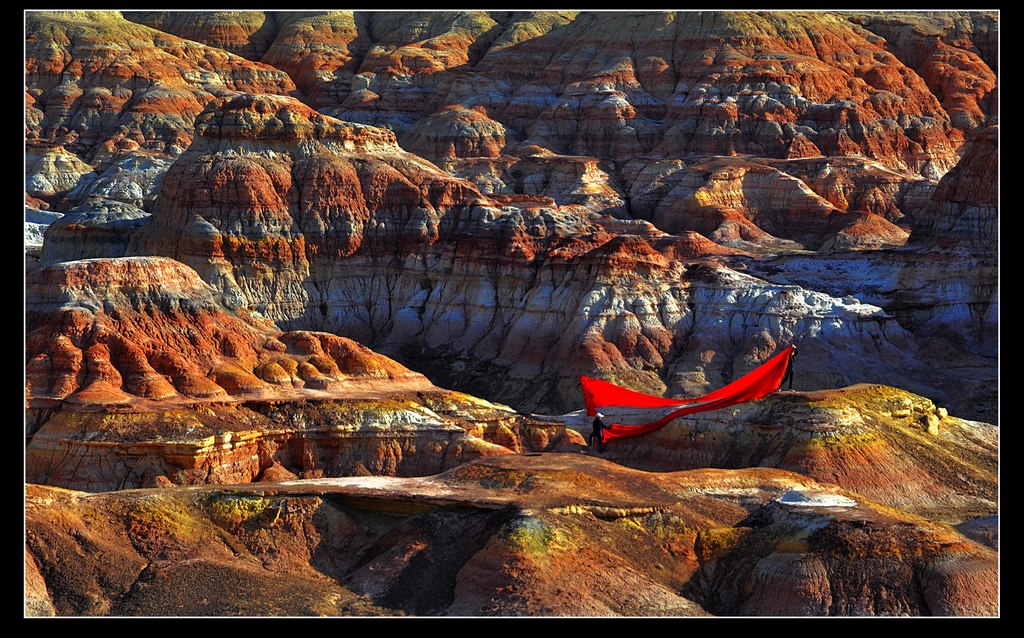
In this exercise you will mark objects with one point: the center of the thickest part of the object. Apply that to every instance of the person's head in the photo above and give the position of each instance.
(600, 416)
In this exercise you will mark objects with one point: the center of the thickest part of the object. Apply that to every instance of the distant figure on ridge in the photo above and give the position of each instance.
(789, 370)
(598, 433)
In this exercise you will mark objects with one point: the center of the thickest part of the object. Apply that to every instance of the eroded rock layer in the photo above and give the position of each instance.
(900, 89)
(561, 534)
(226, 210)
(942, 287)
(539, 113)
(101, 85)
(318, 223)
(387, 432)
(892, 446)
(954, 53)
(137, 371)
(110, 102)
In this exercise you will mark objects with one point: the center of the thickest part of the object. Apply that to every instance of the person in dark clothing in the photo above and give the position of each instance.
(789, 369)
(598, 433)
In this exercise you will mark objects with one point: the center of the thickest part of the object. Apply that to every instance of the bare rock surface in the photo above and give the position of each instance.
(551, 534)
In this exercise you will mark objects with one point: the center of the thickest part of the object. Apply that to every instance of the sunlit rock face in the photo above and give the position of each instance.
(261, 245)
(547, 535)
(574, 160)
(942, 287)
(520, 293)
(897, 88)
(138, 370)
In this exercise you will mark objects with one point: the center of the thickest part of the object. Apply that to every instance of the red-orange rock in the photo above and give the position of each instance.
(503, 536)
(953, 52)
(692, 82)
(855, 186)
(576, 295)
(738, 200)
(455, 132)
(137, 370)
(245, 33)
(102, 86)
(122, 330)
(319, 224)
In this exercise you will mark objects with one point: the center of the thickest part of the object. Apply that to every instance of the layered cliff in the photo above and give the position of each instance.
(460, 86)
(225, 212)
(942, 287)
(100, 89)
(313, 222)
(900, 89)
(964, 209)
(138, 373)
(955, 53)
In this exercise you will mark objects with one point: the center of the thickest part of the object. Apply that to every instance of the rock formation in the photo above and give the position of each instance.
(109, 103)
(100, 227)
(732, 200)
(942, 287)
(245, 33)
(889, 445)
(555, 105)
(461, 83)
(502, 536)
(964, 210)
(560, 308)
(137, 371)
(954, 53)
(52, 172)
(255, 241)
(36, 223)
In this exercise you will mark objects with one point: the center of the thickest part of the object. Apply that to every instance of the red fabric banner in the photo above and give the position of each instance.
(756, 384)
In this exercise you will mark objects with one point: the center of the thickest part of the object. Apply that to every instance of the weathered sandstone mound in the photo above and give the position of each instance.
(136, 371)
(892, 446)
(560, 534)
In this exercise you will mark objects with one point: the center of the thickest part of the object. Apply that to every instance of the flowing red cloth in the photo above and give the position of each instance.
(758, 383)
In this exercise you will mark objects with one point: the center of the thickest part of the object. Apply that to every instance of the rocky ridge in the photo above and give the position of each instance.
(883, 443)
(138, 374)
(667, 544)
(411, 270)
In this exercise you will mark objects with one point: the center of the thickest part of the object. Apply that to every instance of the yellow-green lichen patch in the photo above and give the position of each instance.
(229, 510)
(834, 440)
(871, 401)
(535, 538)
(465, 406)
(183, 425)
(155, 515)
(666, 527)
